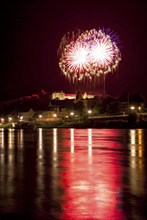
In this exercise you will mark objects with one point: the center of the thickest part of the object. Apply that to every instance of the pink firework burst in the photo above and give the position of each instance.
(77, 58)
(101, 54)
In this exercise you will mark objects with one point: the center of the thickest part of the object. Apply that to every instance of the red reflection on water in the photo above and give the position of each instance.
(92, 183)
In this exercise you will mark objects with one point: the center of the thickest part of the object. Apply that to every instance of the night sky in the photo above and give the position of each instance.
(30, 33)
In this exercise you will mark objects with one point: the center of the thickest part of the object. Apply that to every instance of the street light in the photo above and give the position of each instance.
(9, 119)
(2, 120)
(89, 111)
(72, 113)
(21, 118)
(132, 107)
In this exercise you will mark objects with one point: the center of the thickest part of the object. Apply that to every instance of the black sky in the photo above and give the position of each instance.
(30, 33)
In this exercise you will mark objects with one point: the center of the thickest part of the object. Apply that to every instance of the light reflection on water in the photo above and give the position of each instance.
(73, 173)
(136, 173)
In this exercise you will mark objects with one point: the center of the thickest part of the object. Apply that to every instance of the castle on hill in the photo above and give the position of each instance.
(62, 96)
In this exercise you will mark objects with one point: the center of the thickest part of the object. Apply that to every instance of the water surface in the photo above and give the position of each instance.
(73, 174)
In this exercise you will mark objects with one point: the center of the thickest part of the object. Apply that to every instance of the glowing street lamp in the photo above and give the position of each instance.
(132, 107)
(21, 118)
(9, 119)
(55, 115)
(2, 120)
(72, 113)
(40, 116)
(89, 112)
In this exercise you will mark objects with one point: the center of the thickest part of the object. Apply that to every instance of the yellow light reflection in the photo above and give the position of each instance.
(140, 153)
(133, 136)
(55, 140)
(40, 166)
(2, 140)
(140, 136)
(140, 148)
(133, 141)
(136, 161)
(140, 143)
(10, 143)
(2, 144)
(40, 142)
(72, 139)
(20, 138)
(10, 137)
(40, 138)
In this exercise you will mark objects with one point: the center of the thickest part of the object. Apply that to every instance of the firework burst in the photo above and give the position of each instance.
(88, 55)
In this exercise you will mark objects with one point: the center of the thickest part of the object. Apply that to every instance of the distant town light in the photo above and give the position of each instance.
(139, 108)
(132, 107)
(2, 120)
(89, 111)
(40, 116)
(9, 119)
(21, 118)
(55, 115)
(72, 113)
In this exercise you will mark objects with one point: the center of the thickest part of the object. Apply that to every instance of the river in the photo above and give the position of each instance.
(79, 174)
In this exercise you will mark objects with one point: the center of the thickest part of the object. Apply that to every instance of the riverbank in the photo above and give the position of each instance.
(89, 124)
(78, 124)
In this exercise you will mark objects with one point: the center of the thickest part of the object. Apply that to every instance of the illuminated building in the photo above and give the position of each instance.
(62, 96)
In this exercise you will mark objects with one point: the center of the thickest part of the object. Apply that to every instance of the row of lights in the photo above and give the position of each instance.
(54, 115)
(10, 119)
(71, 114)
(135, 108)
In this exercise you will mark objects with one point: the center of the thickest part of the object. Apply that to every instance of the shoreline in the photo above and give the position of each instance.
(120, 124)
